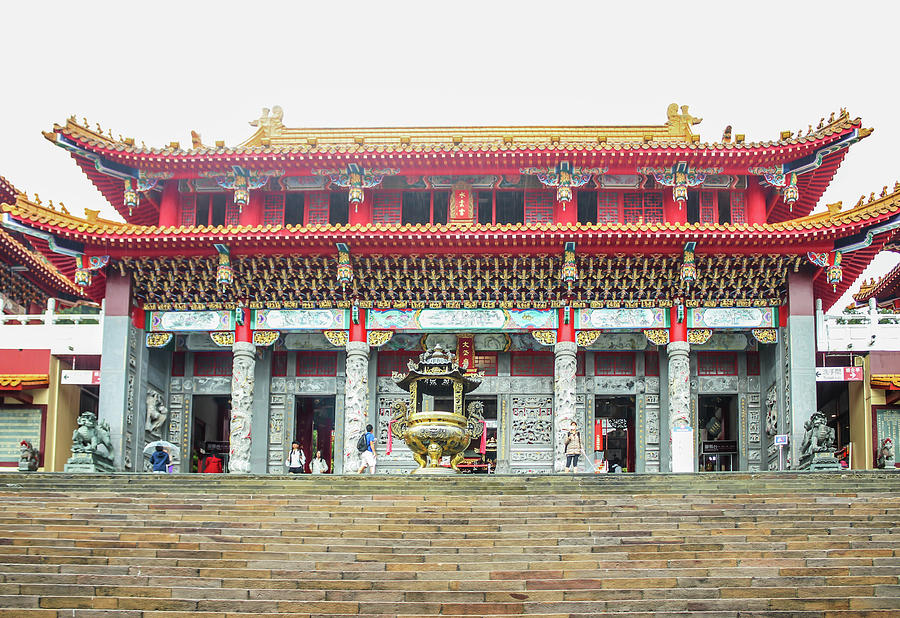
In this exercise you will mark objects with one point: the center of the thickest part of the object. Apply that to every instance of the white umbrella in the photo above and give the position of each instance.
(172, 448)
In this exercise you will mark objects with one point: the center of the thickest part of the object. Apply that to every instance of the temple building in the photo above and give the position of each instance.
(657, 289)
(41, 309)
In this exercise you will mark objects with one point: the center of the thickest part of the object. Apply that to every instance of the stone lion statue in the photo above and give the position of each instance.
(28, 457)
(819, 437)
(91, 436)
(886, 454)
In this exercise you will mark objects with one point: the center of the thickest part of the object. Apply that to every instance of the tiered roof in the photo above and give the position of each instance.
(834, 228)
(885, 290)
(622, 149)
(39, 267)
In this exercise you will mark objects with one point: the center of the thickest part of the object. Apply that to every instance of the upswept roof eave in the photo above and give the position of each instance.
(125, 150)
(885, 288)
(42, 274)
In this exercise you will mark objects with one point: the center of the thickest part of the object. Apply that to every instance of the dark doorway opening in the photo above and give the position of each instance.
(210, 430)
(314, 428)
(614, 423)
(719, 429)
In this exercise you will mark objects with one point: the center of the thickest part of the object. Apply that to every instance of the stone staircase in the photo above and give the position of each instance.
(205, 546)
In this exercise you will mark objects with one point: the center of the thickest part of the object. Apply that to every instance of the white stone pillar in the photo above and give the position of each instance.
(356, 401)
(563, 399)
(242, 381)
(680, 429)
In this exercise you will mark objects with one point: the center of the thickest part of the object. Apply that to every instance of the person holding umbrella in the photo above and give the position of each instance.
(159, 457)
(159, 460)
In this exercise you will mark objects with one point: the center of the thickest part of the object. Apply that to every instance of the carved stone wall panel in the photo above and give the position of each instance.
(212, 386)
(718, 384)
(532, 457)
(532, 420)
(278, 385)
(387, 386)
(651, 384)
(612, 385)
(318, 386)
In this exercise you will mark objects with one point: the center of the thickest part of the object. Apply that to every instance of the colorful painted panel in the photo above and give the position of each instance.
(472, 320)
(621, 318)
(301, 319)
(733, 317)
(183, 321)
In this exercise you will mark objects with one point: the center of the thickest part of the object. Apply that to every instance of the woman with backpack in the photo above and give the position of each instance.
(296, 459)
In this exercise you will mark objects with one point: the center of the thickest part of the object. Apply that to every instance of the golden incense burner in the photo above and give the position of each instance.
(432, 434)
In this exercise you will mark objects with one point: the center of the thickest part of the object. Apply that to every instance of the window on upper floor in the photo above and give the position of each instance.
(598, 206)
(642, 207)
(294, 204)
(338, 208)
(424, 207)
(500, 207)
(208, 209)
(716, 206)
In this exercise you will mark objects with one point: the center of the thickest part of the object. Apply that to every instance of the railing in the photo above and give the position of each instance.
(61, 333)
(862, 331)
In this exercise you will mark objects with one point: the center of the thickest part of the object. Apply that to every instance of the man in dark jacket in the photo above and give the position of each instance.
(159, 460)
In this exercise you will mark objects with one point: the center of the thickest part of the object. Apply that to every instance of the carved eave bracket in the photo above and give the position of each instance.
(544, 337)
(265, 338)
(337, 338)
(585, 338)
(377, 338)
(356, 178)
(765, 335)
(698, 336)
(564, 177)
(680, 177)
(158, 340)
(657, 336)
(223, 339)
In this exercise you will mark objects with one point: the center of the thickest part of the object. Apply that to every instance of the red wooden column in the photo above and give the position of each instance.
(677, 330)
(671, 212)
(756, 202)
(362, 213)
(168, 205)
(252, 214)
(566, 329)
(567, 212)
(243, 332)
(358, 328)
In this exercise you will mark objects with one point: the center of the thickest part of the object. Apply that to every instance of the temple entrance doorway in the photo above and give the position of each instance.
(718, 425)
(614, 432)
(481, 456)
(314, 428)
(210, 431)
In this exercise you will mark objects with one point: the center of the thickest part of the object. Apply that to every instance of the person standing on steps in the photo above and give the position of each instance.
(367, 453)
(318, 465)
(296, 459)
(159, 460)
(573, 447)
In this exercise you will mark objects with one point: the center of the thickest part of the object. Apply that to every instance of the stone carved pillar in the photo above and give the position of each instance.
(680, 406)
(241, 406)
(564, 407)
(356, 401)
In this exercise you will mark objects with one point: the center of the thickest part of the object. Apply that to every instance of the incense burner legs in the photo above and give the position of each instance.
(432, 436)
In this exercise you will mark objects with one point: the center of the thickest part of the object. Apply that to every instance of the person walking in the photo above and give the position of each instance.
(368, 453)
(573, 447)
(318, 465)
(160, 460)
(296, 459)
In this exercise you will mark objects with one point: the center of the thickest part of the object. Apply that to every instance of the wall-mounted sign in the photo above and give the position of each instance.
(80, 376)
(719, 446)
(781, 439)
(839, 374)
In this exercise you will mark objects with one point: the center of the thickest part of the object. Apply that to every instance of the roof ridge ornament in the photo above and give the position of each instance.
(680, 123)
(270, 125)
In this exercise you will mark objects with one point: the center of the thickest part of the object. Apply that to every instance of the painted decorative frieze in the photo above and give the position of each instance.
(184, 321)
(732, 317)
(301, 319)
(471, 320)
(637, 318)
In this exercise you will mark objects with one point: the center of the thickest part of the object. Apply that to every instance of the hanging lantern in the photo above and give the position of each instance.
(834, 274)
(688, 266)
(131, 196)
(564, 177)
(241, 192)
(570, 267)
(344, 267)
(224, 271)
(791, 194)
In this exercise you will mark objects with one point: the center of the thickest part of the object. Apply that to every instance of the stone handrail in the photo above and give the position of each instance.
(61, 333)
(864, 331)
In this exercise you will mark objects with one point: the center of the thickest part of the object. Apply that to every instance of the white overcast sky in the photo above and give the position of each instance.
(156, 70)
